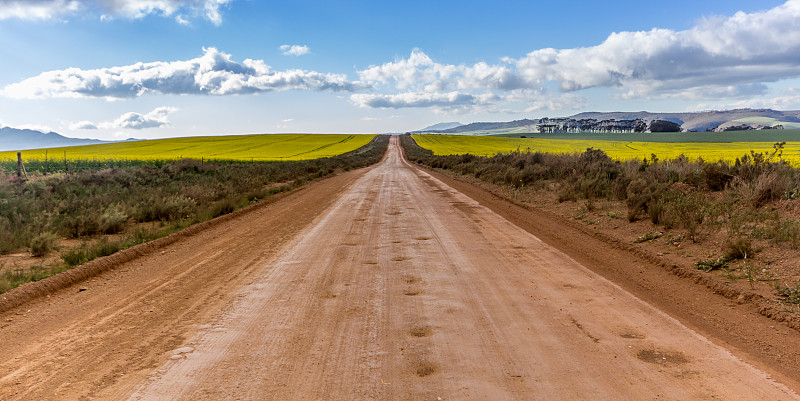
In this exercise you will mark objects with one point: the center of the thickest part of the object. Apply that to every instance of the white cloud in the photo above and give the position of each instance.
(155, 119)
(37, 9)
(35, 127)
(427, 83)
(418, 69)
(181, 19)
(721, 57)
(414, 99)
(785, 102)
(214, 73)
(109, 9)
(565, 101)
(295, 50)
(82, 125)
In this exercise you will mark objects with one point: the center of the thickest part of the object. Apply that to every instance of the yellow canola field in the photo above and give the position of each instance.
(618, 150)
(277, 147)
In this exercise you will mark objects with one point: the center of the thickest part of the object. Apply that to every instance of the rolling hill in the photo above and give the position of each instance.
(22, 139)
(696, 121)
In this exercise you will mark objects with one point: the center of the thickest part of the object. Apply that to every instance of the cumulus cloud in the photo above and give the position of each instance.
(783, 102)
(720, 57)
(35, 127)
(295, 50)
(82, 125)
(37, 9)
(414, 99)
(427, 83)
(727, 56)
(214, 73)
(155, 119)
(565, 101)
(182, 10)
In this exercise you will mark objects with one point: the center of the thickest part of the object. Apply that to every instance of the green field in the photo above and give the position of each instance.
(278, 147)
(619, 150)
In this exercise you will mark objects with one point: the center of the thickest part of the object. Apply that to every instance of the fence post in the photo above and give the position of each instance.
(20, 167)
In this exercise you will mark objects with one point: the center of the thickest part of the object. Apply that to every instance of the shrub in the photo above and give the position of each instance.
(166, 208)
(717, 175)
(9, 238)
(690, 212)
(738, 248)
(656, 211)
(640, 194)
(78, 224)
(769, 186)
(74, 257)
(113, 219)
(43, 244)
(224, 207)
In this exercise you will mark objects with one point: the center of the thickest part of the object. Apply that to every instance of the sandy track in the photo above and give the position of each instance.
(391, 285)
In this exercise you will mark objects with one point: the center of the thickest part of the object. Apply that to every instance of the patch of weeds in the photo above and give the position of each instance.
(590, 205)
(675, 241)
(87, 252)
(648, 237)
(787, 231)
(10, 279)
(74, 257)
(612, 215)
(789, 294)
(708, 265)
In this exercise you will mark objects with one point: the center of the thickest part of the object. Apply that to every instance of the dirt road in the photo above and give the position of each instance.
(378, 284)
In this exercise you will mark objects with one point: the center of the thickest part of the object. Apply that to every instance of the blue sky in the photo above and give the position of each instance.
(114, 69)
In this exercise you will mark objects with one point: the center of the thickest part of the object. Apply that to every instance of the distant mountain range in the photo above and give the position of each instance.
(638, 122)
(442, 126)
(22, 139)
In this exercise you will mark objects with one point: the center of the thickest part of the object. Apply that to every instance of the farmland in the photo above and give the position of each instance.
(616, 149)
(66, 218)
(278, 147)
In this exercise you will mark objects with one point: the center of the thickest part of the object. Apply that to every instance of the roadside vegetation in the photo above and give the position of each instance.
(67, 218)
(737, 208)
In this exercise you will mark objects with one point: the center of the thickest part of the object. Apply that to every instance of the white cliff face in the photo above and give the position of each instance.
(626, 122)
